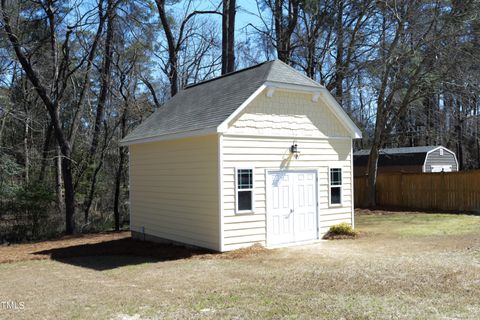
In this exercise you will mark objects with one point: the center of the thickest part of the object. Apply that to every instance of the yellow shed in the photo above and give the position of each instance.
(261, 155)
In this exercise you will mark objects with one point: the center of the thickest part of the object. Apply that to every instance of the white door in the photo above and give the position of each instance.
(441, 168)
(291, 207)
(305, 206)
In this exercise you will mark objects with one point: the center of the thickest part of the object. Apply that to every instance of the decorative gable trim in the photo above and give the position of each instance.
(318, 93)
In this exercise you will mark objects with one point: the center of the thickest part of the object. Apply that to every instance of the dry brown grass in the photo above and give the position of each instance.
(391, 273)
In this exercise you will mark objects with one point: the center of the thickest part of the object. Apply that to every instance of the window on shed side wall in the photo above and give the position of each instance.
(244, 187)
(335, 186)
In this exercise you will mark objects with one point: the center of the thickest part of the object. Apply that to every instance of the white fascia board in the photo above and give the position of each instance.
(224, 125)
(243, 135)
(172, 136)
(341, 115)
(326, 96)
(294, 87)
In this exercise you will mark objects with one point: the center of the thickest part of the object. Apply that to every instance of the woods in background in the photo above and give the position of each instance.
(77, 77)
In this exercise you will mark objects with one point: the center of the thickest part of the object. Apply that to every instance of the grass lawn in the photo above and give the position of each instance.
(403, 266)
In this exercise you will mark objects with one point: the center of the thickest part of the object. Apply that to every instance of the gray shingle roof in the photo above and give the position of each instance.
(207, 104)
(424, 149)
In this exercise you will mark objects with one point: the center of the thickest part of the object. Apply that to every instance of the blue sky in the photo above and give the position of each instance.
(247, 12)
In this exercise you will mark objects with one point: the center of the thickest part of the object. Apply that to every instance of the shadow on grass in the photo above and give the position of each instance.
(113, 254)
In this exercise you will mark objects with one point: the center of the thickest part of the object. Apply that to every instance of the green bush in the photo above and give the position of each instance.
(341, 230)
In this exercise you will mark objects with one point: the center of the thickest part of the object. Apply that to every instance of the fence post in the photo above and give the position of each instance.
(402, 194)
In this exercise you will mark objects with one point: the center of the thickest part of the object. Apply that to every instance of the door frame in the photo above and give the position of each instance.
(267, 201)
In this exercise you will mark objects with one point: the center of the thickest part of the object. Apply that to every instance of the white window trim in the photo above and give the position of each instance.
(441, 152)
(237, 211)
(330, 204)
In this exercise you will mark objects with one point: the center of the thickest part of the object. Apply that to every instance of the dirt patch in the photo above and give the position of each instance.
(252, 251)
(378, 212)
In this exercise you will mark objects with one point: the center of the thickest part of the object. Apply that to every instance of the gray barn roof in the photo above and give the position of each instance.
(425, 149)
(207, 104)
(395, 156)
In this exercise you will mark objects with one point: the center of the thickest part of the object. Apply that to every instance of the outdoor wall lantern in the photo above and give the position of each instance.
(294, 150)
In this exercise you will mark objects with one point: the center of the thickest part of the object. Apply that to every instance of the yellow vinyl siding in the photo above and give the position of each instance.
(260, 137)
(174, 190)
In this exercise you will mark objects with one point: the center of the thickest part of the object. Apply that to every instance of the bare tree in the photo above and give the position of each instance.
(175, 45)
(285, 17)
(51, 91)
(408, 30)
(105, 83)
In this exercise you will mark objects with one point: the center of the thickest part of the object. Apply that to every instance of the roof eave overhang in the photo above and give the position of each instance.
(172, 136)
(318, 92)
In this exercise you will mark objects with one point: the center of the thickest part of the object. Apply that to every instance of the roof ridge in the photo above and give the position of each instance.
(301, 73)
(268, 70)
(418, 149)
(226, 75)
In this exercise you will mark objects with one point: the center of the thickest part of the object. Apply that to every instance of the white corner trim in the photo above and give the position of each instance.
(173, 136)
(220, 193)
(224, 125)
(270, 91)
(352, 185)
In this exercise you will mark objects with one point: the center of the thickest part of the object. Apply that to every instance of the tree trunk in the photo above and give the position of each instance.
(105, 77)
(2, 127)
(372, 175)
(91, 194)
(118, 181)
(26, 151)
(59, 180)
(102, 99)
(69, 195)
(172, 48)
(339, 65)
(284, 27)
(228, 36)
(46, 147)
(374, 155)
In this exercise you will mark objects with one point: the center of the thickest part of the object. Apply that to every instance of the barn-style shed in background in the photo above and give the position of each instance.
(261, 155)
(410, 159)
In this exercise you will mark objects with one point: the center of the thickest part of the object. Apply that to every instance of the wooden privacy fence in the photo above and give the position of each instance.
(450, 191)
